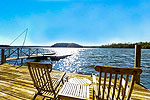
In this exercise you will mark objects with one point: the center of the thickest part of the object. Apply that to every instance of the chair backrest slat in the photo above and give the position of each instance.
(48, 86)
(131, 86)
(120, 83)
(110, 76)
(35, 77)
(32, 76)
(99, 88)
(39, 77)
(43, 78)
(114, 87)
(105, 76)
(50, 82)
(117, 89)
(125, 87)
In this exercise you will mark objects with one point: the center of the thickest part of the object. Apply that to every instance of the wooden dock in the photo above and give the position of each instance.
(8, 54)
(20, 53)
(16, 84)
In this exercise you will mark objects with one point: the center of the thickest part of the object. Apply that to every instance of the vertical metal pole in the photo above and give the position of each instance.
(3, 58)
(44, 51)
(137, 63)
(37, 51)
(8, 51)
(21, 52)
(21, 61)
(17, 53)
(29, 53)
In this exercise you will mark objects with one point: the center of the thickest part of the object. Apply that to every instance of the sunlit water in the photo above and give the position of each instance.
(83, 60)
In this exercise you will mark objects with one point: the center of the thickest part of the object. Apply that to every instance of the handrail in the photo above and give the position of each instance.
(19, 52)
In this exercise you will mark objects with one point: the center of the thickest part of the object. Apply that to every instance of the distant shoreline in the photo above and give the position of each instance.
(144, 45)
(60, 47)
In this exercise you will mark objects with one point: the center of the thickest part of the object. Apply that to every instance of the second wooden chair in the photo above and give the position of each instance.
(108, 88)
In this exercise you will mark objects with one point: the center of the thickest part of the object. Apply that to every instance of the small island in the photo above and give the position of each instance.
(72, 45)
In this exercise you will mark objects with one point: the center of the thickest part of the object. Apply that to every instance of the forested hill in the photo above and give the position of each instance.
(74, 45)
(144, 45)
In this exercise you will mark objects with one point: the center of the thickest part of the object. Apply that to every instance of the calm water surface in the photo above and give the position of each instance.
(82, 60)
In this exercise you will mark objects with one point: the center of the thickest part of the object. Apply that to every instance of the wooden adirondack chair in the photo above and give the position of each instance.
(117, 88)
(45, 84)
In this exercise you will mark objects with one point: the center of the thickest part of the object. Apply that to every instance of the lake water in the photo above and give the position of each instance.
(83, 60)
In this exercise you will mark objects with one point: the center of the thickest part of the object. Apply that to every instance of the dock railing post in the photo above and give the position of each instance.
(17, 53)
(37, 51)
(3, 57)
(8, 51)
(43, 51)
(29, 53)
(137, 62)
(21, 61)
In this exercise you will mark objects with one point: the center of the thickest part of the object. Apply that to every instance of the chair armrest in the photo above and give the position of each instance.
(60, 79)
(94, 79)
(62, 76)
(95, 88)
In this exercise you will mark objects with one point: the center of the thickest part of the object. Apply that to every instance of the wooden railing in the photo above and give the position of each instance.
(20, 52)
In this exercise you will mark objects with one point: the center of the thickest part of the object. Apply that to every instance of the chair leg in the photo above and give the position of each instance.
(58, 98)
(93, 95)
(35, 96)
(43, 98)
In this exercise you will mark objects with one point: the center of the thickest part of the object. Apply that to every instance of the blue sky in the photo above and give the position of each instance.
(87, 22)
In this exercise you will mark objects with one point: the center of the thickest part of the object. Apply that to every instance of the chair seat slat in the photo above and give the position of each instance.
(75, 90)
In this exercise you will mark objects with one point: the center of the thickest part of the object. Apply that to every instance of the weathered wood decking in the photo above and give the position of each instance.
(17, 84)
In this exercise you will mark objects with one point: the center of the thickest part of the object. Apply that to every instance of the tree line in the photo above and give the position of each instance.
(144, 45)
